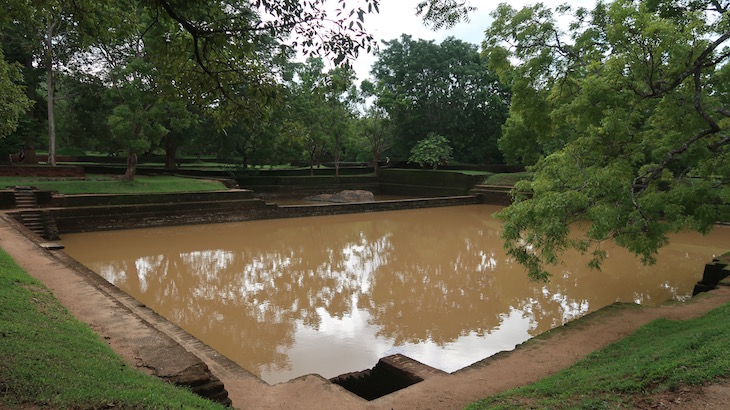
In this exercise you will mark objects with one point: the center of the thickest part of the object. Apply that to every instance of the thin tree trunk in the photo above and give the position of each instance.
(29, 146)
(376, 157)
(49, 84)
(337, 162)
(319, 152)
(170, 154)
(131, 166)
(311, 163)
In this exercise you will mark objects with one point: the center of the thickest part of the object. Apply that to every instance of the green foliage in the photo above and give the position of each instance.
(375, 130)
(13, 101)
(51, 360)
(320, 111)
(660, 356)
(626, 124)
(445, 88)
(444, 13)
(83, 113)
(217, 59)
(134, 127)
(434, 150)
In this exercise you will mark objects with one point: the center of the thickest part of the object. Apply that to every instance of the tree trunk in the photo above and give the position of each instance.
(131, 166)
(376, 157)
(30, 155)
(319, 151)
(337, 162)
(49, 84)
(311, 163)
(170, 154)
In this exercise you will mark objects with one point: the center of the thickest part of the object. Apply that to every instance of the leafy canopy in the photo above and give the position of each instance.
(625, 116)
(13, 101)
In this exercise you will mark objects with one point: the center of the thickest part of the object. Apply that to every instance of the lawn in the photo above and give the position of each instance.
(49, 359)
(507, 179)
(107, 184)
(662, 355)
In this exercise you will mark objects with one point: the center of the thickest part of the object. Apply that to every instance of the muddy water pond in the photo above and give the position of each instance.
(330, 295)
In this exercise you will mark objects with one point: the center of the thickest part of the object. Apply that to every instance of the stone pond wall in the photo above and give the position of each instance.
(65, 171)
(407, 182)
(307, 185)
(83, 213)
(124, 216)
(715, 273)
(425, 183)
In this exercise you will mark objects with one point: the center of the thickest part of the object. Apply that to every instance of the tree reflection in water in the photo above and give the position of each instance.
(331, 295)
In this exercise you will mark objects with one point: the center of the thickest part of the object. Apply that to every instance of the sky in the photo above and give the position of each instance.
(399, 16)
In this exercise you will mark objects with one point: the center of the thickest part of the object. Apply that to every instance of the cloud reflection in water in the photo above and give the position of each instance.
(331, 295)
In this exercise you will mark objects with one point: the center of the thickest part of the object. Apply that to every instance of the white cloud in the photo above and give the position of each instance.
(397, 17)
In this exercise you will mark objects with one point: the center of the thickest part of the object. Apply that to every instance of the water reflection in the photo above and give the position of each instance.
(330, 295)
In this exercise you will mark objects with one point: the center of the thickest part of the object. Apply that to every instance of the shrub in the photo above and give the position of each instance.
(434, 150)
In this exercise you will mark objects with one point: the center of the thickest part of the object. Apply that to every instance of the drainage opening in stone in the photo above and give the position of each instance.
(385, 378)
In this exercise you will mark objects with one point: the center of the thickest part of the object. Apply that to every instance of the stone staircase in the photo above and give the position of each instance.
(493, 194)
(30, 215)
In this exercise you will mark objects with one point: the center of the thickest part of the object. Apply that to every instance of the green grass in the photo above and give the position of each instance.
(104, 184)
(660, 356)
(47, 358)
(507, 179)
(473, 172)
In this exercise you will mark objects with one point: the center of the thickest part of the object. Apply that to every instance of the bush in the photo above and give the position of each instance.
(434, 150)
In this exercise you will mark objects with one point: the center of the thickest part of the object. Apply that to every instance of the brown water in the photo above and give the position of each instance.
(331, 295)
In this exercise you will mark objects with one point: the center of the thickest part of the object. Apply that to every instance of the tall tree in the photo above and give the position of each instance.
(82, 112)
(55, 32)
(375, 126)
(308, 109)
(629, 110)
(13, 100)
(340, 96)
(444, 88)
(19, 44)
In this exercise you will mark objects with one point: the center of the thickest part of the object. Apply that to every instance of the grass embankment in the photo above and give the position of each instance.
(106, 184)
(660, 356)
(47, 358)
(506, 179)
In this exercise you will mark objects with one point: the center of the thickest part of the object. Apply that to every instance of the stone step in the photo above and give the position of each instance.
(23, 203)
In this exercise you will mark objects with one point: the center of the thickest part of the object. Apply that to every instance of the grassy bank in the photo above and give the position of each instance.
(106, 184)
(660, 356)
(506, 179)
(47, 358)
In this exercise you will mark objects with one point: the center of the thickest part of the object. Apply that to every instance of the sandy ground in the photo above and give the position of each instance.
(125, 324)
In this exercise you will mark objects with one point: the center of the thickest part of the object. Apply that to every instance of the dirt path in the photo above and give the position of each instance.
(123, 323)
